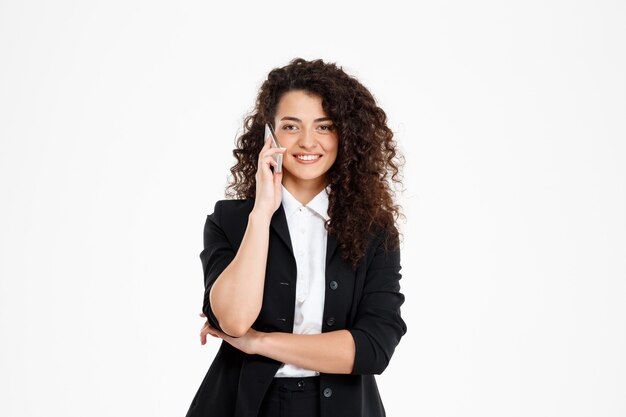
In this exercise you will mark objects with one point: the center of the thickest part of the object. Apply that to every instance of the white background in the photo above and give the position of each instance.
(117, 123)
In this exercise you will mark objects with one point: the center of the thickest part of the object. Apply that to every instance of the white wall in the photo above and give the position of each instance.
(117, 122)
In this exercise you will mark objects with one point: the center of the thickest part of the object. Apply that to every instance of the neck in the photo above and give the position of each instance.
(304, 190)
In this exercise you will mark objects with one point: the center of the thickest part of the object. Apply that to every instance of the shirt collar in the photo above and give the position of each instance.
(318, 204)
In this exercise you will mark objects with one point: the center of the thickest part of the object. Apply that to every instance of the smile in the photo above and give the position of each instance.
(307, 159)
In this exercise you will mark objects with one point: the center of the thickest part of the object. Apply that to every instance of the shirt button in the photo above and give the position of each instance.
(333, 285)
(330, 321)
(301, 253)
(300, 383)
(328, 392)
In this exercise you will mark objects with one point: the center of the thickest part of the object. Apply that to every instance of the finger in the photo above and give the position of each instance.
(203, 334)
(209, 330)
(262, 161)
(266, 151)
(270, 161)
(278, 183)
(268, 142)
(266, 162)
(265, 166)
(272, 151)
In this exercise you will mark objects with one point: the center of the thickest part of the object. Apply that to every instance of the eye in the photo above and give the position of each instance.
(287, 126)
(327, 127)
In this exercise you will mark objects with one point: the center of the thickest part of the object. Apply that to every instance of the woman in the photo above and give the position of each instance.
(302, 267)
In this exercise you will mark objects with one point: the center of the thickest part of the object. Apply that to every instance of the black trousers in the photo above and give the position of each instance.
(292, 397)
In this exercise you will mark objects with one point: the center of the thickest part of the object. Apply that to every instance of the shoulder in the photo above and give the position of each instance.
(228, 221)
(231, 210)
(231, 217)
(384, 235)
(232, 203)
(384, 242)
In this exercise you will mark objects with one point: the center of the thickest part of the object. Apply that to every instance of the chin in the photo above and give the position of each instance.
(305, 176)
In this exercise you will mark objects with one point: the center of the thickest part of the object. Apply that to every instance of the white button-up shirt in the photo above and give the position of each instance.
(308, 239)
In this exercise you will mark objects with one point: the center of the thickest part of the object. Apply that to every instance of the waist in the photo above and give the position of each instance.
(284, 384)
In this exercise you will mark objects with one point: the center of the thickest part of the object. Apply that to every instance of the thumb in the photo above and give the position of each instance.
(278, 181)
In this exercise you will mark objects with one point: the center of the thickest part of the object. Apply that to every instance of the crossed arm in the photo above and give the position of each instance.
(330, 352)
(365, 347)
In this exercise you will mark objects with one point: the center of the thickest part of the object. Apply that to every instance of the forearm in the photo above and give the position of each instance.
(237, 294)
(331, 352)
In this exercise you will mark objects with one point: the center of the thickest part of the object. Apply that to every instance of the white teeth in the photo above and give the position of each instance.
(307, 157)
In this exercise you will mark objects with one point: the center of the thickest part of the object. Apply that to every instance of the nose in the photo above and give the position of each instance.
(307, 139)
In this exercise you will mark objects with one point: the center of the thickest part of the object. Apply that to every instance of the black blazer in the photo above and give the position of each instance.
(366, 302)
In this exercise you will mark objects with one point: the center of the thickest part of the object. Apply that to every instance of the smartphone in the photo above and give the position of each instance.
(269, 131)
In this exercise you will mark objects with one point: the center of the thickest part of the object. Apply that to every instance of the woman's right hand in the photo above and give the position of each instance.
(268, 184)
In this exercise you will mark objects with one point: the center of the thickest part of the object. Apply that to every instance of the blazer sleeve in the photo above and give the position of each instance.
(216, 256)
(378, 326)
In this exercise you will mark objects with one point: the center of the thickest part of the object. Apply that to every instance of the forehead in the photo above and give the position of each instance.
(300, 103)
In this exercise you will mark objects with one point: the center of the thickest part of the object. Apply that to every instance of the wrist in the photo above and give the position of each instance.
(258, 342)
(259, 217)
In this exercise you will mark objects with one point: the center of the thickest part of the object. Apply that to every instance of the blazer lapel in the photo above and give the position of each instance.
(280, 226)
(331, 246)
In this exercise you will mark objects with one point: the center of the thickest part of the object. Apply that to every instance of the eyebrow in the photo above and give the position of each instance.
(295, 119)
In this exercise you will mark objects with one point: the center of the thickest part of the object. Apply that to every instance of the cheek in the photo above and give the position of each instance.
(286, 141)
(334, 150)
(332, 146)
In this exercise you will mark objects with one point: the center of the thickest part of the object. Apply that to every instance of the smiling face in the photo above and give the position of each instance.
(310, 137)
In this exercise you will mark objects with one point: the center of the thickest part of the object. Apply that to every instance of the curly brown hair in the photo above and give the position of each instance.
(361, 202)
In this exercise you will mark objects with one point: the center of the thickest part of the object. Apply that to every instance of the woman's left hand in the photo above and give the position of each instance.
(245, 343)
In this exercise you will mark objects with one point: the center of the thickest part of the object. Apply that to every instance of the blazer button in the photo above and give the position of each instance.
(328, 392)
(333, 285)
(330, 321)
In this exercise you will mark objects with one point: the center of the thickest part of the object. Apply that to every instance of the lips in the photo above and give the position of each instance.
(309, 160)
